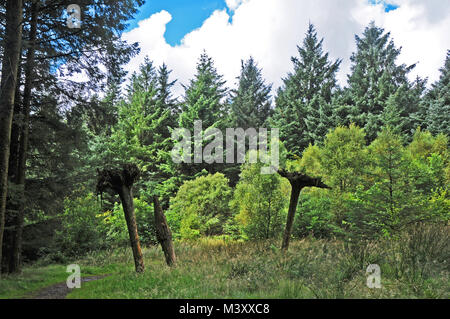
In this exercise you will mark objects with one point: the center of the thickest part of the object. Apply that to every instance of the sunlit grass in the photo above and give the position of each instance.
(213, 268)
(34, 278)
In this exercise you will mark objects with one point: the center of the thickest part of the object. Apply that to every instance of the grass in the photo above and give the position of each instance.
(213, 268)
(34, 278)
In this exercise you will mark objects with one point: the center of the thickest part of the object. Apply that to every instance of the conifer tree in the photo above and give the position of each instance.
(403, 108)
(438, 102)
(204, 97)
(11, 58)
(49, 45)
(205, 101)
(320, 119)
(304, 93)
(146, 117)
(251, 101)
(374, 77)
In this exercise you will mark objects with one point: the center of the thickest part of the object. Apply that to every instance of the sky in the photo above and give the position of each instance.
(176, 32)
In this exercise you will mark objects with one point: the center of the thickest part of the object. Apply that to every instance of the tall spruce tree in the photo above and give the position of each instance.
(403, 108)
(142, 135)
(10, 65)
(319, 119)
(204, 97)
(250, 107)
(305, 95)
(204, 100)
(251, 104)
(438, 102)
(162, 120)
(374, 77)
(146, 117)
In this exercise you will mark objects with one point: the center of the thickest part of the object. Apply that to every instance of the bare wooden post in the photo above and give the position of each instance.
(298, 181)
(295, 194)
(121, 181)
(163, 233)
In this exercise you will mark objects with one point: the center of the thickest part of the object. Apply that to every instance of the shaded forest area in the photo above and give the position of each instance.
(376, 150)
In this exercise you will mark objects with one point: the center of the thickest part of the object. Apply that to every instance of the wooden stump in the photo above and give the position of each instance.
(121, 181)
(298, 181)
(163, 233)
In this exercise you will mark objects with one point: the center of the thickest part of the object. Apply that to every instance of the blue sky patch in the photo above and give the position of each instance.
(186, 15)
(190, 15)
(387, 6)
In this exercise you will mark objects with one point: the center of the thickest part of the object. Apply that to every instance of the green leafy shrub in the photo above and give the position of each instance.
(115, 226)
(260, 203)
(86, 228)
(201, 207)
(80, 230)
(343, 157)
(314, 215)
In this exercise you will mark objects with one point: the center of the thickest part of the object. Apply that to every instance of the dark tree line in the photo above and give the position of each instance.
(37, 40)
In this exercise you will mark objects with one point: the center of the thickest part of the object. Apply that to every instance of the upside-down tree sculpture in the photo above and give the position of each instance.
(298, 182)
(120, 181)
(163, 233)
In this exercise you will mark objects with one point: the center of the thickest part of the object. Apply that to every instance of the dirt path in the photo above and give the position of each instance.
(59, 290)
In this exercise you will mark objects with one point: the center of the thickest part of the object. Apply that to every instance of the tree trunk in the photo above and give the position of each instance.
(121, 181)
(15, 130)
(11, 53)
(295, 194)
(163, 233)
(15, 265)
(126, 196)
(11, 205)
(298, 181)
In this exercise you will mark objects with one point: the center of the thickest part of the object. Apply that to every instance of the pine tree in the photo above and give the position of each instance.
(11, 59)
(164, 97)
(390, 201)
(304, 92)
(205, 101)
(319, 119)
(342, 107)
(204, 97)
(251, 101)
(98, 114)
(374, 77)
(162, 120)
(402, 110)
(146, 117)
(438, 102)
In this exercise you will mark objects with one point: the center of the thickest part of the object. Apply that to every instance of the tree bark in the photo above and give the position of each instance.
(298, 181)
(126, 196)
(11, 53)
(121, 181)
(15, 130)
(11, 206)
(295, 194)
(15, 265)
(163, 233)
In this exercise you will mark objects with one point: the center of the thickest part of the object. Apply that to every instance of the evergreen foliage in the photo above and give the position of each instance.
(303, 102)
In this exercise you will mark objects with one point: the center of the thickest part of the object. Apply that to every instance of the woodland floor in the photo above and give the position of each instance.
(213, 269)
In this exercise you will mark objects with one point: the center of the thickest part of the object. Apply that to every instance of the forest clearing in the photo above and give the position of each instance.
(135, 168)
(216, 269)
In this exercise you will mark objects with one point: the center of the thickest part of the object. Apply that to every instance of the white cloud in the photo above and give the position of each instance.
(270, 30)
